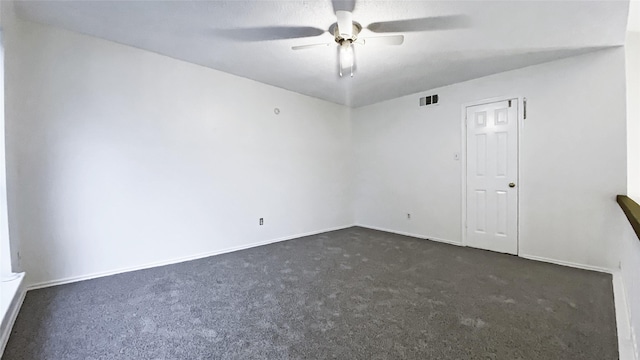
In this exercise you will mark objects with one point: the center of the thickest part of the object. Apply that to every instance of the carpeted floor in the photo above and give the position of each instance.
(348, 294)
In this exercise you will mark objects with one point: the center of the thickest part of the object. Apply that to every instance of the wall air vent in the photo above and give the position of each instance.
(429, 100)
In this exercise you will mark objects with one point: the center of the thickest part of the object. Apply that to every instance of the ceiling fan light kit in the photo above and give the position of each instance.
(346, 39)
(346, 57)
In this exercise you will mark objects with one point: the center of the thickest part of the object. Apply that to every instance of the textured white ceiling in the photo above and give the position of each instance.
(501, 35)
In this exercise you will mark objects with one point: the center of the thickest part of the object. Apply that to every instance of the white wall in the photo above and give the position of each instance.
(572, 158)
(630, 249)
(119, 157)
(630, 271)
(632, 47)
(5, 252)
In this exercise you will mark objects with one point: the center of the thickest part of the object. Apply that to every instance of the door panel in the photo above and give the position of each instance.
(481, 154)
(481, 211)
(492, 163)
(502, 213)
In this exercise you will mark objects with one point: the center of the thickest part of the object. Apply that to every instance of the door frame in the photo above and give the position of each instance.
(463, 160)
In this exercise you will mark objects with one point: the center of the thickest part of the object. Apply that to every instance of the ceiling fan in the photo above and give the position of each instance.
(345, 31)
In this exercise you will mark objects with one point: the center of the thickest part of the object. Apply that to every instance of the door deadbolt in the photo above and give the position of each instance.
(512, 185)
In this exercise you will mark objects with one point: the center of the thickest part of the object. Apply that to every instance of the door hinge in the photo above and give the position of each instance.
(509, 103)
(524, 108)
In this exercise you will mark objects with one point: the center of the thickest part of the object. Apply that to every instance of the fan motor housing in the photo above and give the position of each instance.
(354, 34)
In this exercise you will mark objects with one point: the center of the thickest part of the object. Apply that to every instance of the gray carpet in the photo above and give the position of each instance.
(348, 294)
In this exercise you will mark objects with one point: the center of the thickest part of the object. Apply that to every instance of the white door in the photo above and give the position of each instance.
(492, 176)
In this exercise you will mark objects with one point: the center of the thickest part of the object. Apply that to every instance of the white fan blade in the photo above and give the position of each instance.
(345, 23)
(302, 47)
(381, 40)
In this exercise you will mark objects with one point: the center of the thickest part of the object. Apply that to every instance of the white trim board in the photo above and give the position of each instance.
(626, 344)
(73, 279)
(12, 314)
(525, 256)
(567, 263)
(458, 243)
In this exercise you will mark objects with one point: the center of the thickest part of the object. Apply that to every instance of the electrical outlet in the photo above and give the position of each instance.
(261, 221)
(408, 216)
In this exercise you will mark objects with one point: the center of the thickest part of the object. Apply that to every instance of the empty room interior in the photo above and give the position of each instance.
(320, 179)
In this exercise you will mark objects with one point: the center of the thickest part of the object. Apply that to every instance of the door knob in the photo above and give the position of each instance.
(512, 185)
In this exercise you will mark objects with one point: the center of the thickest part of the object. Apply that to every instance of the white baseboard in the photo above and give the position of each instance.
(625, 337)
(175, 260)
(458, 243)
(12, 315)
(530, 257)
(567, 263)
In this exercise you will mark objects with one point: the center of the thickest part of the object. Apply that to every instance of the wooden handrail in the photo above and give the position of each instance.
(632, 210)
